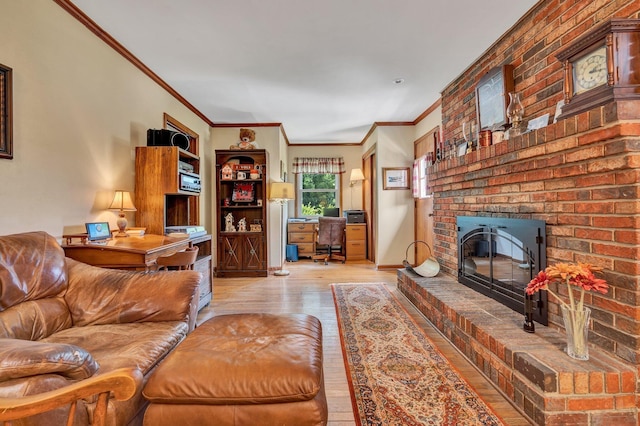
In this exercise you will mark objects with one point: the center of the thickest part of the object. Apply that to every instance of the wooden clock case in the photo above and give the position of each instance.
(621, 38)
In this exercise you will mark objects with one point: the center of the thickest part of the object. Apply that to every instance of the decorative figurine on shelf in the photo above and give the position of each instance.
(247, 140)
(242, 225)
(226, 172)
(228, 219)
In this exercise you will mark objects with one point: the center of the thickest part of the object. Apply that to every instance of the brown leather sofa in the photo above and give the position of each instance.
(62, 321)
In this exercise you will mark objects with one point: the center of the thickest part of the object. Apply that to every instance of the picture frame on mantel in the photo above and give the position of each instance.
(492, 97)
(395, 178)
(6, 112)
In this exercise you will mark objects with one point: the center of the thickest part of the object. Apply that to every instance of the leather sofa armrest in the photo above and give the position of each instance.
(121, 384)
(24, 358)
(108, 296)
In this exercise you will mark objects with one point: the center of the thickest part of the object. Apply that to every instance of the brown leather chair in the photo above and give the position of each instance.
(331, 239)
(182, 260)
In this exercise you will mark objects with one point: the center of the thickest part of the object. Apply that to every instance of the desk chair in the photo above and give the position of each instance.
(181, 260)
(331, 239)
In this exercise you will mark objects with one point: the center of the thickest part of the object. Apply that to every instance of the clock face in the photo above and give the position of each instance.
(590, 71)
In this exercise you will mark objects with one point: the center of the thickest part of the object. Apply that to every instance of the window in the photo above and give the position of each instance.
(316, 192)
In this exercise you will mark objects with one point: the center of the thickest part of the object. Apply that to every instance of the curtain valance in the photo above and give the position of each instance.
(333, 165)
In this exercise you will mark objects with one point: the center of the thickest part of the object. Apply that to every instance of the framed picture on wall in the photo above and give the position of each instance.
(395, 178)
(6, 117)
(492, 97)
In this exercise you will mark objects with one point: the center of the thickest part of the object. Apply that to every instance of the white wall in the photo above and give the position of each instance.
(395, 208)
(428, 123)
(80, 109)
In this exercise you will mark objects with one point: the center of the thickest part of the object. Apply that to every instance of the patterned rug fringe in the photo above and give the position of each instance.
(396, 374)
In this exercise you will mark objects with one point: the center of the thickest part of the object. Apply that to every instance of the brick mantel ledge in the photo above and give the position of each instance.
(530, 369)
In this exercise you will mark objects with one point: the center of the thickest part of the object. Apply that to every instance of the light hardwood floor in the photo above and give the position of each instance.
(307, 289)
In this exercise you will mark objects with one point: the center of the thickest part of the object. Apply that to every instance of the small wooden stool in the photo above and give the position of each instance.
(242, 369)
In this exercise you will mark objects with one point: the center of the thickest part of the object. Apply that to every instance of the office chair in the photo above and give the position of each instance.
(181, 260)
(331, 239)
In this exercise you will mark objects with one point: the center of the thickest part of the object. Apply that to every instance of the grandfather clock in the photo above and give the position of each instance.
(602, 66)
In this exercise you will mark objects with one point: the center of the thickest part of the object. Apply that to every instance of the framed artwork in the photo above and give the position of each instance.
(492, 97)
(243, 192)
(395, 178)
(6, 117)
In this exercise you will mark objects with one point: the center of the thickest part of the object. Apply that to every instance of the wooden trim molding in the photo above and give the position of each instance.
(74, 11)
(6, 114)
(428, 111)
(246, 125)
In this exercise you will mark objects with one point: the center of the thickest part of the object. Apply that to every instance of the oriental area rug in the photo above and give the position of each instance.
(396, 374)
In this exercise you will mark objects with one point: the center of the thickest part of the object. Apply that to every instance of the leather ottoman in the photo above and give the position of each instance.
(242, 369)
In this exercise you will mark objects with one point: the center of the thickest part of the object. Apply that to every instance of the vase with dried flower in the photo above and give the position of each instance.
(575, 314)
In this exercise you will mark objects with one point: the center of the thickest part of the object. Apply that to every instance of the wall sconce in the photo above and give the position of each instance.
(122, 202)
(356, 176)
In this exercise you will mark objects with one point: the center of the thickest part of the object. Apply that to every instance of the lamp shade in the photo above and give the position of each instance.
(356, 175)
(122, 202)
(281, 191)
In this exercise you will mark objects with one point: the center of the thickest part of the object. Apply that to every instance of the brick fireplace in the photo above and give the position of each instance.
(580, 176)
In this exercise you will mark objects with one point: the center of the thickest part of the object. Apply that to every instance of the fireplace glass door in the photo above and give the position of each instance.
(499, 256)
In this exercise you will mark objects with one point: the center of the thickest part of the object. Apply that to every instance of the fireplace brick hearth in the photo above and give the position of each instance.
(580, 176)
(530, 369)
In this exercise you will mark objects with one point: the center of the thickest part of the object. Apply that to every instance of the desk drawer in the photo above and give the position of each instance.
(295, 237)
(301, 227)
(356, 232)
(306, 249)
(356, 250)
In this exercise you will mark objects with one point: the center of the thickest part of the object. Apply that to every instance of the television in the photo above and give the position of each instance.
(98, 231)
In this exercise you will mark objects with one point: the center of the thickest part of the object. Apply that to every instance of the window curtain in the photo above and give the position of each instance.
(421, 187)
(333, 165)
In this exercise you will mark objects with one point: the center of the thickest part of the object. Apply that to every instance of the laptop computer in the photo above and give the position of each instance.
(98, 231)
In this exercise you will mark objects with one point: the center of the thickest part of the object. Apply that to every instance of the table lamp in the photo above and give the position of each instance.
(281, 193)
(122, 202)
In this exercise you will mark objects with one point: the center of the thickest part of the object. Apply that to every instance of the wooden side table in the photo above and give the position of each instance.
(356, 241)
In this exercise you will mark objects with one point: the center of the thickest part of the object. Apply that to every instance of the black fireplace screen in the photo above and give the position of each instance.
(499, 256)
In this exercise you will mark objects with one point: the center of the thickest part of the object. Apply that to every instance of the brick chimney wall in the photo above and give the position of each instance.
(580, 175)
(530, 46)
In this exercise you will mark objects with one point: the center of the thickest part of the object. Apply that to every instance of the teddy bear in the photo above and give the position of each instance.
(247, 140)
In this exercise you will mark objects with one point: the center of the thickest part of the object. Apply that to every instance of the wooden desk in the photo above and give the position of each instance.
(138, 253)
(303, 234)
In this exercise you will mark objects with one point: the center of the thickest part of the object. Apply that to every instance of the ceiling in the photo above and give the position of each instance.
(325, 69)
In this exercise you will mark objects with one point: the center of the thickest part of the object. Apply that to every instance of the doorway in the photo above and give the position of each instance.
(369, 200)
(423, 210)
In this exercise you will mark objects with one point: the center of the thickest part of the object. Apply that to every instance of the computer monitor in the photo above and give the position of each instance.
(98, 231)
(331, 212)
